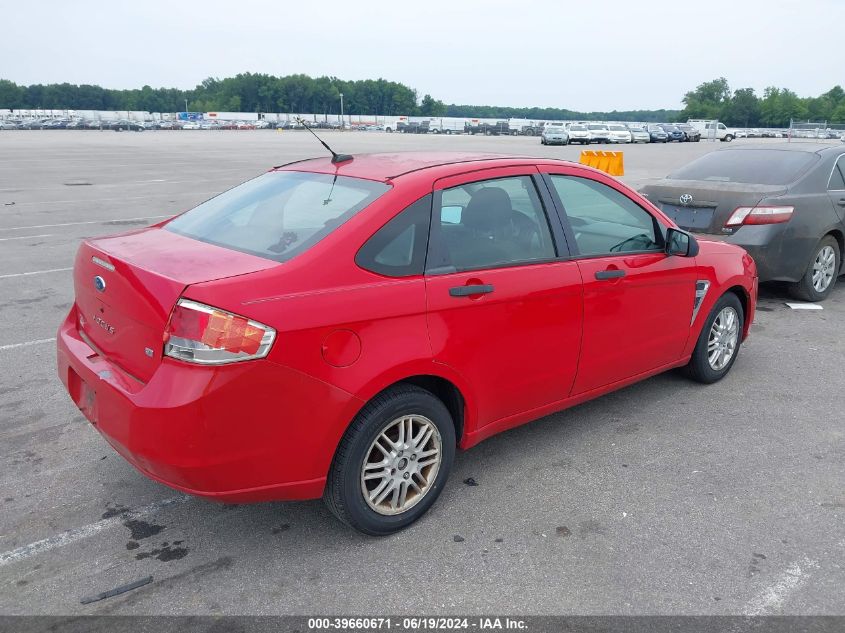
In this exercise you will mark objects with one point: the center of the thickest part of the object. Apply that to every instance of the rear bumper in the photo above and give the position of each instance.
(249, 431)
(765, 245)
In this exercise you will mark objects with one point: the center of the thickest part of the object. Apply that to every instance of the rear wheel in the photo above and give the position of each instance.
(820, 276)
(393, 461)
(719, 341)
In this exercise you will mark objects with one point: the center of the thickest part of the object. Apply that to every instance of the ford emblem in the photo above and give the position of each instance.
(99, 283)
(686, 199)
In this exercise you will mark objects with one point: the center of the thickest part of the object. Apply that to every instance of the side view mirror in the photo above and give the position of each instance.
(680, 243)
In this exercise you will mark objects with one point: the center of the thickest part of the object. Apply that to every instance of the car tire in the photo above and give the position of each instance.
(728, 138)
(382, 420)
(820, 277)
(725, 332)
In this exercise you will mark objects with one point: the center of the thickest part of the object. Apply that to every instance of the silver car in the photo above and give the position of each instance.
(554, 136)
(578, 133)
(638, 134)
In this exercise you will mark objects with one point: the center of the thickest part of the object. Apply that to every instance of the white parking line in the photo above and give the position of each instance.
(45, 226)
(25, 237)
(772, 598)
(27, 344)
(35, 272)
(77, 534)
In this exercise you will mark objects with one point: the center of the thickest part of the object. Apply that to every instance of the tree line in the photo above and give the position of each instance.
(777, 106)
(256, 92)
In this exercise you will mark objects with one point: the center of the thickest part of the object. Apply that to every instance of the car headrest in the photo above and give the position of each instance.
(489, 209)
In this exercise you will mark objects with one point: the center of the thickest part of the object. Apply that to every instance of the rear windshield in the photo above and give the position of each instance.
(279, 214)
(554, 130)
(753, 166)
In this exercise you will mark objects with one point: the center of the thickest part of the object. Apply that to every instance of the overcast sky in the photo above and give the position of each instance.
(601, 55)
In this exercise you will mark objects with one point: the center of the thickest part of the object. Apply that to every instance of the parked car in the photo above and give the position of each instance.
(210, 355)
(639, 134)
(619, 133)
(598, 132)
(690, 133)
(191, 125)
(8, 125)
(578, 133)
(657, 134)
(783, 202)
(673, 133)
(124, 124)
(554, 136)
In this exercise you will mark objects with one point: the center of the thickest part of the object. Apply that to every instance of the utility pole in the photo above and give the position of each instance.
(186, 105)
(342, 125)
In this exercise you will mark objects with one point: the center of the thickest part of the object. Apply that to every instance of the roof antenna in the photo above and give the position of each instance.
(336, 158)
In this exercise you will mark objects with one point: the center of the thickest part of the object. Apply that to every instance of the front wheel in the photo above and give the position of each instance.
(820, 276)
(393, 461)
(719, 341)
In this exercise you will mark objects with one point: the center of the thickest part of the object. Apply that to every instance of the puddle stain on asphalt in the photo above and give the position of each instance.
(142, 529)
(165, 553)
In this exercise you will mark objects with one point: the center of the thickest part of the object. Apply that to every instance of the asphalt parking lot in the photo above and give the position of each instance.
(667, 497)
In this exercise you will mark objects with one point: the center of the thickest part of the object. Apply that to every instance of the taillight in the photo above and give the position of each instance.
(201, 334)
(760, 215)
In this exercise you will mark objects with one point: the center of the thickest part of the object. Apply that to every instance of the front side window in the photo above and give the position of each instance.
(488, 224)
(279, 214)
(604, 220)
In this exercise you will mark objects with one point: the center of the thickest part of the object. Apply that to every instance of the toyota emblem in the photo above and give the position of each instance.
(99, 283)
(686, 199)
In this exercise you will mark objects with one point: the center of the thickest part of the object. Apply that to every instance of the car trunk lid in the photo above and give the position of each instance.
(704, 206)
(126, 286)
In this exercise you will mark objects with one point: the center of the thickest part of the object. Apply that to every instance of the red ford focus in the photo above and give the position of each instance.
(338, 328)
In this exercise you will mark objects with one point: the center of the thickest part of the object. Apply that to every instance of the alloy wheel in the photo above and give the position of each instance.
(824, 269)
(401, 465)
(723, 337)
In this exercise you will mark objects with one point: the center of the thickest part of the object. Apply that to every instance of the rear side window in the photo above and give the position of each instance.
(752, 166)
(279, 214)
(398, 248)
(837, 178)
(489, 224)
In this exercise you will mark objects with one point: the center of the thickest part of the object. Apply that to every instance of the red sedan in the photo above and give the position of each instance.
(338, 328)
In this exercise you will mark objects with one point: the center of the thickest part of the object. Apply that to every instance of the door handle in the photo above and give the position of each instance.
(610, 274)
(472, 289)
(841, 202)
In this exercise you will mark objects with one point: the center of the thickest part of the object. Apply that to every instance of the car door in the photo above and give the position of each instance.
(836, 187)
(638, 301)
(504, 299)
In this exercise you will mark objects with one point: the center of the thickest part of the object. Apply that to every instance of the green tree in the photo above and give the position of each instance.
(708, 101)
(432, 107)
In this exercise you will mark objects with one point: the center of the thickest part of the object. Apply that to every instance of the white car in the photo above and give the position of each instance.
(578, 133)
(599, 132)
(619, 133)
(190, 125)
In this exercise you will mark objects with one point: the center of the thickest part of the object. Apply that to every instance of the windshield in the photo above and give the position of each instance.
(279, 214)
(578, 128)
(597, 127)
(753, 166)
(554, 130)
(636, 129)
(618, 128)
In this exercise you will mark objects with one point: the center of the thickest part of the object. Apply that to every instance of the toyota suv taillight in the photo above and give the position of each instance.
(202, 334)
